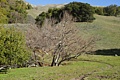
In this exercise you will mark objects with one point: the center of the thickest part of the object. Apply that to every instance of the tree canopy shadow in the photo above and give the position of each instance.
(108, 52)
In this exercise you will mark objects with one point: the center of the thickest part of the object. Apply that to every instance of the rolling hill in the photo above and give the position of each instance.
(107, 28)
(86, 67)
(41, 8)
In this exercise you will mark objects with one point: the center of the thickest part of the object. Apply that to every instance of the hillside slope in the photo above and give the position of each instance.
(39, 9)
(106, 27)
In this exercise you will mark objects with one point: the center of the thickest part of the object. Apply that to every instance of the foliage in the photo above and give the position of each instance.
(29, 6)
(99, 10)
(13, 11)
(41, 18)
(12, 47)
(111, 10)
(3, 18)
(55, 14)
(117, 11)
(81, 12)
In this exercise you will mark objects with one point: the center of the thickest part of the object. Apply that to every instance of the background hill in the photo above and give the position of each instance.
(107, 28)
(90, 67)
(41, 8)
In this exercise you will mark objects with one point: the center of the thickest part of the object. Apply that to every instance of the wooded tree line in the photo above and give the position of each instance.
(81, 12)
(111, 10)
(13, 11)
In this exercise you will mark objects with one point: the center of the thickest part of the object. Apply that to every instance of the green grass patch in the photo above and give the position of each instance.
(83, 65)
(107, 28)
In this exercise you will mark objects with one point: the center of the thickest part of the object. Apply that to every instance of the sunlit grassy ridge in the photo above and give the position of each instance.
(107, 28)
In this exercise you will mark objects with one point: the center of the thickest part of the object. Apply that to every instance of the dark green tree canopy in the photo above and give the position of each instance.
(99, 10)
(111, 10)
(81, 12)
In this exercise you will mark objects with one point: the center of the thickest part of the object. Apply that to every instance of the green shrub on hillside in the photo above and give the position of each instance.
(29, 6)
(3, 18)
(111, 10)
(40, 19)
(14, 11)
(82, 12)
(99, 10)
(13, 50)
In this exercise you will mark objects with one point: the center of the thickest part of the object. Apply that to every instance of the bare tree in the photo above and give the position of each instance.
(62, 40)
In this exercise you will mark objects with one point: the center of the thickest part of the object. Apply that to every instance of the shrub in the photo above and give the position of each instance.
(111, 10)
(13, 50)
(14, 11)
(82, 12)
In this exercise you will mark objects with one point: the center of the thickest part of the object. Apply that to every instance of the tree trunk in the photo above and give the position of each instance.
(57, 59)
(53, 60)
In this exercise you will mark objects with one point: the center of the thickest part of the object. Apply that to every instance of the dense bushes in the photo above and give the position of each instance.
(81, 12)
(13, 11)
(13, 50)
(99, 10)
(40, 19)
(55, 14)
(111, 10)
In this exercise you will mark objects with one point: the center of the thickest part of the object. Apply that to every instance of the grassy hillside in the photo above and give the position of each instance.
(86, 67)
(39, 9)
(107, 28)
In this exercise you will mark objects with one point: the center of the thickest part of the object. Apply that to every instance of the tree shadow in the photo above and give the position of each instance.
(108, 52)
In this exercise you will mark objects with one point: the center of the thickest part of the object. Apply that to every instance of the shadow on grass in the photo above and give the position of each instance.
(108, 52)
